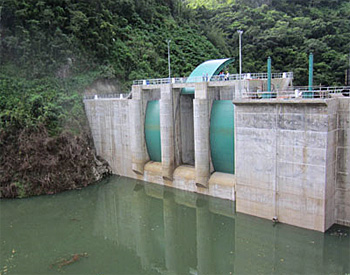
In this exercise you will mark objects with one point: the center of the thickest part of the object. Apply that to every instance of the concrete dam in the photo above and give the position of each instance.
(282, 154)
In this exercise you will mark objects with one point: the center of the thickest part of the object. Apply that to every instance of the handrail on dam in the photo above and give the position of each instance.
(104, 96)
(232, 77)
(300, 92)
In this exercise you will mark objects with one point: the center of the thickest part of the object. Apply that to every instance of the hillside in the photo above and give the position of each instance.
(122, 39)
(126, 39)
(285, 30)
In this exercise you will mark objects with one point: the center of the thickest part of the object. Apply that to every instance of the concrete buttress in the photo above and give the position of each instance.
(138, 147)
(167, 131)
(201, 134)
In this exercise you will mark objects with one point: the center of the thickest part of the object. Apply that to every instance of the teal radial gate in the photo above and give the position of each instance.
(222, 136)
(152, 131)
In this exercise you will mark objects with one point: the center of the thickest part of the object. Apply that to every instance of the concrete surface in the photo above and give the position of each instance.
(342, 189)
(286, 161)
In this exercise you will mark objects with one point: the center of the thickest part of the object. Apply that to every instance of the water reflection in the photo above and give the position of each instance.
(169, 230)
(129, 227)
(172, 231)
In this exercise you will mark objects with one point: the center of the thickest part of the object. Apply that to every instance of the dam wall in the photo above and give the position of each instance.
(292, 160)
(291, 157)
(117, 127)
(342, 188)
(110, 128)
(286, 160)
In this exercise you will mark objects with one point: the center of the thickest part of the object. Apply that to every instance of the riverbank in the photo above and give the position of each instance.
(33, 163)
(45, 141)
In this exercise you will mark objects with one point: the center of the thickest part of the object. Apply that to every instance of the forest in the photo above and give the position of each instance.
(285, 30)
(51, 50)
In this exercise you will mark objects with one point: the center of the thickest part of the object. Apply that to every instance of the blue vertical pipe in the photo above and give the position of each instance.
(269, 74)
(268, 93)
(311, 71)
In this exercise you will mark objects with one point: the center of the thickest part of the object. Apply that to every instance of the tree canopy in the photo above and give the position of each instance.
(126, 39)
(285, 30)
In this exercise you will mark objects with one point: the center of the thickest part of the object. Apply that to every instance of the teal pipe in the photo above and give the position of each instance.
(311, 71)
(268, 93)
(269, 74)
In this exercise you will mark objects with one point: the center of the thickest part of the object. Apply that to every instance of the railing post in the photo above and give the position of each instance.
(311, 70)
(269, 74)
(310, 94)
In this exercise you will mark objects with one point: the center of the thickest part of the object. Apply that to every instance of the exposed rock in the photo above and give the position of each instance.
(33, 163)
(102, 168)
(103, 86)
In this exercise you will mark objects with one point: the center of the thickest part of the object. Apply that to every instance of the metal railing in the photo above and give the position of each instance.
(103, 96)
(291, 92)
(232, 77)
(299, 92)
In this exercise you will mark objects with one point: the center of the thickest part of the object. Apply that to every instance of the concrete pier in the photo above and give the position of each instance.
(201, 117)
(342, 187)
(137, 133)
(167, 131)
(201, 143)
(137, 118)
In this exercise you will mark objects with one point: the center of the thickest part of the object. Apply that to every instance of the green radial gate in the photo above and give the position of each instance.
(222, 136)
(152, 131)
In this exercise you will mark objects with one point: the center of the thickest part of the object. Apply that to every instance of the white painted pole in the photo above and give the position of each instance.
(168, 41)
(240, 62)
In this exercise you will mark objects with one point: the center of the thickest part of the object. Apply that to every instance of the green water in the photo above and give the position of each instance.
(126, 226)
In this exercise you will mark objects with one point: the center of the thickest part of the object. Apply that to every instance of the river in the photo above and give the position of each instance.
(125, 226)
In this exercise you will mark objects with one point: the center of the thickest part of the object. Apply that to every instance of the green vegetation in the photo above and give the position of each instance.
(51, 50)
(285, 30)
(44, 139)
(47, 102)
(125, 39)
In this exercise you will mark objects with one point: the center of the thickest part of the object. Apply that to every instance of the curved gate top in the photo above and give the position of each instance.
(207, 68)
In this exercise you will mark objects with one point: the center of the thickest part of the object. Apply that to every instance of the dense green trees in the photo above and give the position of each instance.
(285, 30)
(53, 104)
(127, 37)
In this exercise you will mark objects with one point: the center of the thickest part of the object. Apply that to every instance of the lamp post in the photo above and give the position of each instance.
(240, 62)
(348, 80)
(168, 41)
